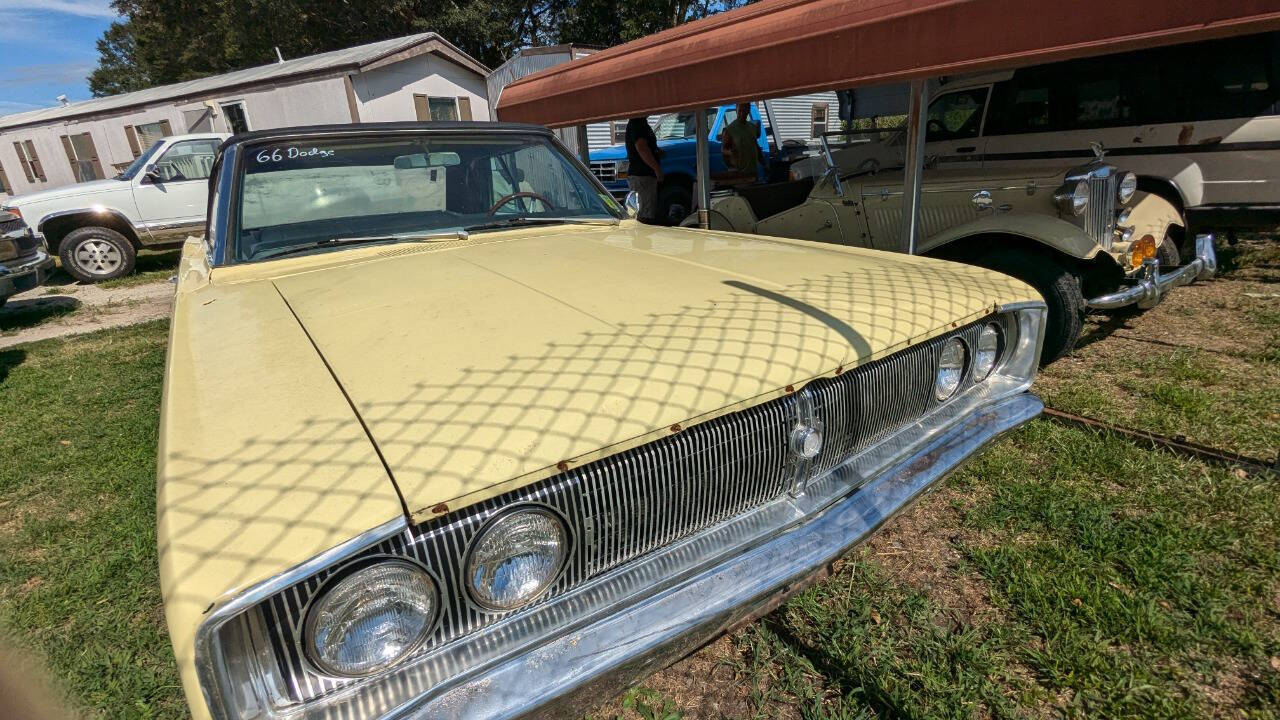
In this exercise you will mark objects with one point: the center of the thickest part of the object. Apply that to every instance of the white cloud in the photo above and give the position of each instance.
(84, 8)
(59, 73)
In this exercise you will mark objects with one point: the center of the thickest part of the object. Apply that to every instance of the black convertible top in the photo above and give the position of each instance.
(358, 128)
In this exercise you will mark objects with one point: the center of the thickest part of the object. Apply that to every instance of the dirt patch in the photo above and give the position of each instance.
(919, 549)
(52, 312)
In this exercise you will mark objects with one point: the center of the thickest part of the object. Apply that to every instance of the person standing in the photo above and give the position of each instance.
(846, 109)
(740, 143)
(645, 172)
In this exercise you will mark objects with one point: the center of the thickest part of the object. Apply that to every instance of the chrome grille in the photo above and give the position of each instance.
(1101, 223)
(623, 506)
(11, 225)
(605, 171)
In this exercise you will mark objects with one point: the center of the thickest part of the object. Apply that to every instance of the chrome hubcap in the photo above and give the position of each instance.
(97, 257)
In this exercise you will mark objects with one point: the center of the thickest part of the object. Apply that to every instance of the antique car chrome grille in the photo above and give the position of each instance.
(1101, 213)
(623, 506)
(605, 171)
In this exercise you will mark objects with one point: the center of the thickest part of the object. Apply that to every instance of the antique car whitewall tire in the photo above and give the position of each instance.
(95, 254)
(1060, 287)
(1167, 253)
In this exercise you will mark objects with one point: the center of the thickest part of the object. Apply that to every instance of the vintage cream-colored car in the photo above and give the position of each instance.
(1086, 239)
(446, 434)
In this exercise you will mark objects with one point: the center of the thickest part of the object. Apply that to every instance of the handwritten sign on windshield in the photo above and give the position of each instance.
(275, 155)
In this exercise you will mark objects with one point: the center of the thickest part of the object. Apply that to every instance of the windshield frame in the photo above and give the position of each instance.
(224, 200)
(140, 162)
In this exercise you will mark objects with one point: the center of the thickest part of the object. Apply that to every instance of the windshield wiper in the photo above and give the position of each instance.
(518, 221)
(338, 242)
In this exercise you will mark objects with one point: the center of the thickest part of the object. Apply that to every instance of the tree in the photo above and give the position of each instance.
(118, 68)
(167, 41)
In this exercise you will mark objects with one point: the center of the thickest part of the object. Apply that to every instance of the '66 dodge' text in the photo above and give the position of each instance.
(447, 434)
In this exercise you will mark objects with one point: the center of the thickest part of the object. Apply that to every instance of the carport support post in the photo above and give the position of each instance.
(914, 164)
(584, 152)
(704, 168)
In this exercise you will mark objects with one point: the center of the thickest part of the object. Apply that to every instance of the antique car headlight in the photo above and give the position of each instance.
(1073, 197)
(990, 340)
(371, 619)
(516, 558)
(1127, 187)
(950, 369)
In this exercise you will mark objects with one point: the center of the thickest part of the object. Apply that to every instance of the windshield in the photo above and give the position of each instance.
(140, 162)
(677, 126)
(295, 194)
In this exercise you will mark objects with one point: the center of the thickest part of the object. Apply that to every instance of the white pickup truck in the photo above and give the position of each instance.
(96, 228)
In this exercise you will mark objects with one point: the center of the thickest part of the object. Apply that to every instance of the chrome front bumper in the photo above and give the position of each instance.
(26, 274)
(575, 672)
(1151, 284)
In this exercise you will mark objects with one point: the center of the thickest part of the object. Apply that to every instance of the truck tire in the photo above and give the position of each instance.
(1060, 286)
(1167, 254)
(675, 203)
(93, 254)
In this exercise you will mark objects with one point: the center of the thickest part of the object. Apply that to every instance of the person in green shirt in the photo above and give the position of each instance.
(738, 143)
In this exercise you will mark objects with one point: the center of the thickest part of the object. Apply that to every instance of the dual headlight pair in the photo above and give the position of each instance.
(1073, 197)
(371, 618)
(955, 358)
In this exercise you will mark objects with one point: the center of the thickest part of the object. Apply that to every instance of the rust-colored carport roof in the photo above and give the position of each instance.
(776, 48)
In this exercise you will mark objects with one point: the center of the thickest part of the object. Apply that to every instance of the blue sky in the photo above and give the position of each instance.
(48, 49)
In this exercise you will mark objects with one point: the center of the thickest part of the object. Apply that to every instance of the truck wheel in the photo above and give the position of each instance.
(1060, 286)
(94, 254)
(675, 202)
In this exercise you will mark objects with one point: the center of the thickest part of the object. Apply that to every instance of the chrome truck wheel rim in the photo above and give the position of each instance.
(97, 257)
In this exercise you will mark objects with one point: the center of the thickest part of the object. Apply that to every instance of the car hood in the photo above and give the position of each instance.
(484, 365)
(93, 187)
(613, 152)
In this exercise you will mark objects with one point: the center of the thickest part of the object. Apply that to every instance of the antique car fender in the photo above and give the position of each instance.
(1057, 234)
(730, 213)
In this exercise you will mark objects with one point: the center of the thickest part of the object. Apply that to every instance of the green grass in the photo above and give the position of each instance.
(152, 266)
(78, 583)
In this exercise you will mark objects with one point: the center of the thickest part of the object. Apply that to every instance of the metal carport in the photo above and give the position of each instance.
(775, 48)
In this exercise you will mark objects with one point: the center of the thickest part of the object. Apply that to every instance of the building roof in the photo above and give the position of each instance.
(777, 48)
(361, 57)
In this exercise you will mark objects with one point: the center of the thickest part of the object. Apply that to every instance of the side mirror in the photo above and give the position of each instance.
(152, 174)
(632, 204)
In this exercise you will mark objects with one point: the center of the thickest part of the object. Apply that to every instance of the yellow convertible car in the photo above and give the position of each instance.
(446, 434)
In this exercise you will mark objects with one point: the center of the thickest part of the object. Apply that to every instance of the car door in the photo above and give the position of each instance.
(947, 198)
(953, 128)
(172, 192)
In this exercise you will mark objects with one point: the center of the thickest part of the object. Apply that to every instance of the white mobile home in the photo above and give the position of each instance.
(420, 77)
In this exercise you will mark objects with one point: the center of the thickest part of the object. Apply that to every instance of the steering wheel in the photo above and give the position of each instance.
(504, 200)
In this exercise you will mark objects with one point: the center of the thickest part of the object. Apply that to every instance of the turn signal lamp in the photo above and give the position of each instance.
(1144, 248)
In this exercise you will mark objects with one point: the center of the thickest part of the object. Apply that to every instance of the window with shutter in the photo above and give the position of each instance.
(83, 157)
(818, 120)
(29, 161)
(5, 187)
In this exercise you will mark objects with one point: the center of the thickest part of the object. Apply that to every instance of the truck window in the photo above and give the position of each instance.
(1235, 80)
(956, 115)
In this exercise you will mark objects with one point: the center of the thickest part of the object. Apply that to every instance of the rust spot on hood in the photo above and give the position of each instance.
(675, 428)
(562, 465)
(440, 509)
(1184, 137)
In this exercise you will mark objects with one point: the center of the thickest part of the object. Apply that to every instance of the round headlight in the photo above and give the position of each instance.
(950, 369)
(516, 558)
(1080, 198)
(371, 619)
(988, 351)
(1127, 187)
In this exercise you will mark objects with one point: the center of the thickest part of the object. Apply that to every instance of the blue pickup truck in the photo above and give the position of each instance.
(678, 144)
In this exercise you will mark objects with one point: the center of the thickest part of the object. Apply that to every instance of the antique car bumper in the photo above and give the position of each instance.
(575, 672)
(1151, 284)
